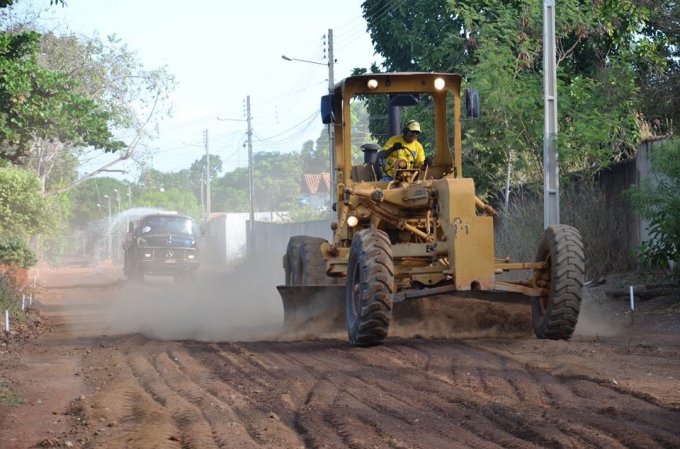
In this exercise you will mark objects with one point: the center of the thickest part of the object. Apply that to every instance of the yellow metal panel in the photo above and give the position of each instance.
(457, 196)
(471, 253)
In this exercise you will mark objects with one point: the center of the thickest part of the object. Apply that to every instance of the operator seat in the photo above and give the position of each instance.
(371, 170)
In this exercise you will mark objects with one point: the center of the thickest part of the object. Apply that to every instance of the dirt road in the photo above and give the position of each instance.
(164, 365)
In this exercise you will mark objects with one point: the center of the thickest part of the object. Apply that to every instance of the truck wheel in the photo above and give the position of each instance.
(555, 316)
(291, 260)
(369, 288)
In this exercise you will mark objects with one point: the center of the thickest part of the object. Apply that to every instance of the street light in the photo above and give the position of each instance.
(117, 199)
(108, 198)
(331, 82)
(118, 246)
(286, 58)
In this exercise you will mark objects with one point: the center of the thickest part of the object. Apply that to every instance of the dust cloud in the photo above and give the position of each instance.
(221, 304)
(448, 316)
(241, 302)
(595, 319)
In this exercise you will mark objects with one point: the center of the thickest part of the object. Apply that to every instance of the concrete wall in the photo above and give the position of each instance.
(226, 235)
(272, 238)
(628, 230)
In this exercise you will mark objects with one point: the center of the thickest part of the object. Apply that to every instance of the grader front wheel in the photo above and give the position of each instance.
(370, 288)
(555, 316)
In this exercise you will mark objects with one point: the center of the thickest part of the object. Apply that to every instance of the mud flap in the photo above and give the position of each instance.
(320, 306)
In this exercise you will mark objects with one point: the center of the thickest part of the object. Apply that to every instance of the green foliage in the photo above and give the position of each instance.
(229, 198)
(14, 251)
(89, 203)
(38, 103)
(316, 160)
(9, 394)
(23, 210)
(426, 36)
(197, 170)
(658, 199)
(497, 47)
(171, 199)
(277, 180)
(300, 213)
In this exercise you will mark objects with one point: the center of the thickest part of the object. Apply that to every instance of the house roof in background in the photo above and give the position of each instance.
(316, 183)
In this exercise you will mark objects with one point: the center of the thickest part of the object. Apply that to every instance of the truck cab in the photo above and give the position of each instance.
(162, 244)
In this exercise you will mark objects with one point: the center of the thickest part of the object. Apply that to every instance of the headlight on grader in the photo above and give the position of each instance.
(372, 84)
(352, 221)
(439, 83)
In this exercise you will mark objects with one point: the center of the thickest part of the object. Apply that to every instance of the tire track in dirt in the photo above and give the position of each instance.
(194, 431)
(234, 409)
(407, 393)
(499, 401)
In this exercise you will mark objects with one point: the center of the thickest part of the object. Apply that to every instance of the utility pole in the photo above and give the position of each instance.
(331, 83)
(208, 209)
(251, 188)
(331, 137)
(202, 193)
(551, 182)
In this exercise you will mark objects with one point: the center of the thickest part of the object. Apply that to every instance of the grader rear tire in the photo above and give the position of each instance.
(291, 260)
(555, 316)
(312, 266)
(370, 288)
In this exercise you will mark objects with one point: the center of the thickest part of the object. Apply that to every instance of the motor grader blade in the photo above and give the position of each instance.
(321, 307)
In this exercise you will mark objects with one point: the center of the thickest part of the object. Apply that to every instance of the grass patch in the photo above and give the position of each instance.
(9, 395)
(9, 302)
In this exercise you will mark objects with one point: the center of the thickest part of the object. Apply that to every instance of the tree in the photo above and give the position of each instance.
(110, 74)
(198, 168)
(40, 104)
(171, 199)
(659, 76)
(72, 96)
(498, 46)
(427, 36)
(88, 199)
(23, 210)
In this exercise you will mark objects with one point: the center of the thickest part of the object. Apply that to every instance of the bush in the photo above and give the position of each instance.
(657, 199)
(14, 251)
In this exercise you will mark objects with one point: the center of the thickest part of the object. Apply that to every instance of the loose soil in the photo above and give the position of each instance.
(102, 363)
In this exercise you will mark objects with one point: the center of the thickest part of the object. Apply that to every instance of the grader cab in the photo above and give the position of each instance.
(423, 233)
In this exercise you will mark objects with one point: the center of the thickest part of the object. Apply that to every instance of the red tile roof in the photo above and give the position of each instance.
(316, 183)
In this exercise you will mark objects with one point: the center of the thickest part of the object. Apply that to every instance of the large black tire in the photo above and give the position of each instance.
(555, 316)
(312, 265)
(370, 288)
(291, 260)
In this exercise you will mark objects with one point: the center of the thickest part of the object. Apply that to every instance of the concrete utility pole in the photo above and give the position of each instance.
(331, 137)
(208, 209)
(331, 83)
(251, 188)
(551, 182)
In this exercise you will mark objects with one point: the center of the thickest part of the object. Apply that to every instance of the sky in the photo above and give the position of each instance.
(222, 51)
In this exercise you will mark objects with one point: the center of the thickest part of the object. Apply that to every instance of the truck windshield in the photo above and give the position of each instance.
(173, 225)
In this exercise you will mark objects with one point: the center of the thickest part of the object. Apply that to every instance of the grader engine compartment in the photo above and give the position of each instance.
(409, 224)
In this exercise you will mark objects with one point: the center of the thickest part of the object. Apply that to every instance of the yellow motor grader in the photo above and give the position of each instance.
(422, 233)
